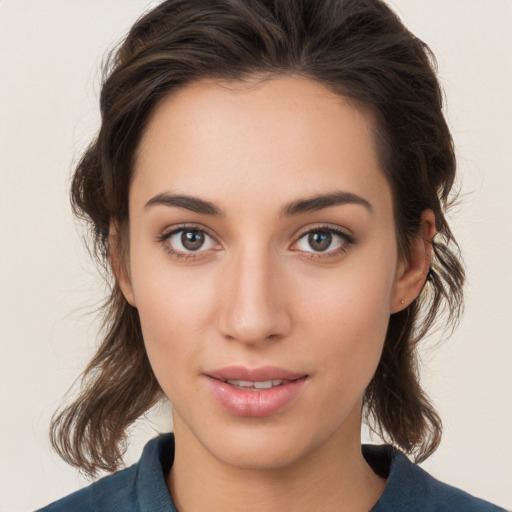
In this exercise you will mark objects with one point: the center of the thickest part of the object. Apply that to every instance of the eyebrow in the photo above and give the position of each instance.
(194, 204)
(324, 201)
(318, 202)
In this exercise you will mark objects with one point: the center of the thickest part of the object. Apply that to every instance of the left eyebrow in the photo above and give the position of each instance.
(324, 201)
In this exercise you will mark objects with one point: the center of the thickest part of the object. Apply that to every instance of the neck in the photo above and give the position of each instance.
(335, 477)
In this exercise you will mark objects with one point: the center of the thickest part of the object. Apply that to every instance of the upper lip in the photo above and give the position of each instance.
(262, 374)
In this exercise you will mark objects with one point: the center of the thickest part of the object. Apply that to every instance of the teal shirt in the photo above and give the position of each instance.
(142, 487)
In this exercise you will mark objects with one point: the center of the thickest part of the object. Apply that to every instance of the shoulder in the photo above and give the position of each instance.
(111, 491)
(141, 486)
(410, 488)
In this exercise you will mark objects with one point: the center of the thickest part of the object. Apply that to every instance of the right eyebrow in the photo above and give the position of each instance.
(194, 204)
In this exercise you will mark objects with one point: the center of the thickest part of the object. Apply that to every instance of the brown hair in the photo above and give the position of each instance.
(356, 48)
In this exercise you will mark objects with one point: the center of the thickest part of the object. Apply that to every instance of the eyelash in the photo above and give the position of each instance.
(346, 241)
(163, 238)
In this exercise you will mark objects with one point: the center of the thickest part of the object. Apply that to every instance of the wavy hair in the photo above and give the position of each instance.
(358, 49)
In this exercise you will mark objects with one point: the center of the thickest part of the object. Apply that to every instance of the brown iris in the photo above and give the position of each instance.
(192, 239)
(320, 240)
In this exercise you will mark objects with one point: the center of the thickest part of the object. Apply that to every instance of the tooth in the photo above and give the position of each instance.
(263, 385)
(241, 383)
(249, 384)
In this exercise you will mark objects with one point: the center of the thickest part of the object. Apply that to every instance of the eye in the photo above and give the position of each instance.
(188, 239)
(183, 242)
(327, 240)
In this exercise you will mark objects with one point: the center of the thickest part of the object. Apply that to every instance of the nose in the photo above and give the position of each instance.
(253, 305)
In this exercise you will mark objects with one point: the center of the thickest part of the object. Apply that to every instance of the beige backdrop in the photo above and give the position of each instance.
(50, 52)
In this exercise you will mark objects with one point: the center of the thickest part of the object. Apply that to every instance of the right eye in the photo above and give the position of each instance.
(184, 242)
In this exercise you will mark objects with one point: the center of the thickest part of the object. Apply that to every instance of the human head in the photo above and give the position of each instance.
(358, 49)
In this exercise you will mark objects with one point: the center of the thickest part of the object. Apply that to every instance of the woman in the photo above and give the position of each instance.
(268, 188)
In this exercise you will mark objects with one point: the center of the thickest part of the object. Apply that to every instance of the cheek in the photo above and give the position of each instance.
(175, 310)
(350, 356)
(354, 333)
(348, 316)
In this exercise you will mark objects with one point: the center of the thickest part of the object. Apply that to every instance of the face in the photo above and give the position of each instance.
(263, 264)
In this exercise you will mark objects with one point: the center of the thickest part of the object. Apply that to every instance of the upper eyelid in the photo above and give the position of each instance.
(339, 230)
(176, 228)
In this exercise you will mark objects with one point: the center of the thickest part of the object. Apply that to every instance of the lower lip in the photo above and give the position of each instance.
(251, 403)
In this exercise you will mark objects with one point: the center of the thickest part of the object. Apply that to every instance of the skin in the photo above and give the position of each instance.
(257, 293)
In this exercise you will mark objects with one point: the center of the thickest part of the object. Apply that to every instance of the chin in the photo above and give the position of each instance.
(261, 451)
(266, 444)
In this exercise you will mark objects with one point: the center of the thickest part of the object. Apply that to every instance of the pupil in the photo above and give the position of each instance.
(192, 240)
(320, 241)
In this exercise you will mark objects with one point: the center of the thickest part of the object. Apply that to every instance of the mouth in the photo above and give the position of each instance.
(255, 392)
(256, 385)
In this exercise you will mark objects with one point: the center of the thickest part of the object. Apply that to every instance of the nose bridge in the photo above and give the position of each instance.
(252, 309)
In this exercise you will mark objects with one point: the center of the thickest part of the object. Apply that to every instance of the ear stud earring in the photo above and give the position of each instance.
(402, 301)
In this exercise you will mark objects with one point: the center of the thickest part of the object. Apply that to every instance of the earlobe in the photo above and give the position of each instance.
(412, 272)
(119, 262)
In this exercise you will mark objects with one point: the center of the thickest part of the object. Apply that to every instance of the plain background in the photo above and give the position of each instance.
(50, 53)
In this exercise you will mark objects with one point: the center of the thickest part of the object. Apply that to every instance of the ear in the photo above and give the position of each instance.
(412, 271)
(119, 260)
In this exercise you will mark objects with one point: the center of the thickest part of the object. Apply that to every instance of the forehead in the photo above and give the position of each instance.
(288, 134)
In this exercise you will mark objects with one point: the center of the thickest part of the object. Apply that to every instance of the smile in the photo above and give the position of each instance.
(255, 392)
(255, 385)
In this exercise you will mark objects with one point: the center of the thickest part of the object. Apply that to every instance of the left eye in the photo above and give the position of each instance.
(190, 240)
(321, 240)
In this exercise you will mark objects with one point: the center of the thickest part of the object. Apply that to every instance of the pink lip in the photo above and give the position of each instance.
(255, 403)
